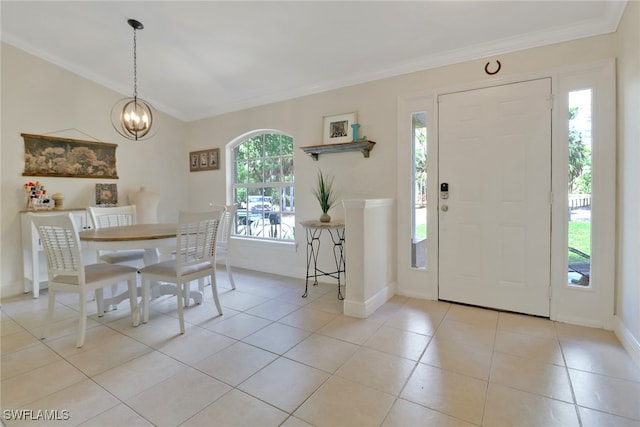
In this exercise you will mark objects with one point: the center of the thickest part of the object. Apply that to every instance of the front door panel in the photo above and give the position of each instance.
(494, 227)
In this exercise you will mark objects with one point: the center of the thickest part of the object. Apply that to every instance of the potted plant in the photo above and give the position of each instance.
(325, 194)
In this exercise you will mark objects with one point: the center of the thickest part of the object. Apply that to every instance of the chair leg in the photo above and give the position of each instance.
(145, 300)
(49, 318)
(187, 293)
(214, 290)
(133, 300)
(114, 290)
(113, 293)
(230, 273)
(100, 301)
(82, 325)
(180, 287)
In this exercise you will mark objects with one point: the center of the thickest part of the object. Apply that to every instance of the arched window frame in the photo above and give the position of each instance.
(268, 177)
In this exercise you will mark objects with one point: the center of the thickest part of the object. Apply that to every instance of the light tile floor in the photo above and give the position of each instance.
(275, 358)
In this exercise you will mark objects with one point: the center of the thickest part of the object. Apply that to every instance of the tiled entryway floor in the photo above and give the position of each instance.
(274, 359)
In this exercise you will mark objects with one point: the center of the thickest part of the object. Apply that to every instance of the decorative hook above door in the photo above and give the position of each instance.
(491, 73)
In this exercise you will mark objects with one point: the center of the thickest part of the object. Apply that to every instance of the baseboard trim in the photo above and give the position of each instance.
(364, 309)
(572, 320)
(13, 290)
(419, 295)
(629, 342)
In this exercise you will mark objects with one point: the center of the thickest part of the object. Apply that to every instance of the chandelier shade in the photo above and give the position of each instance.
(133, 117)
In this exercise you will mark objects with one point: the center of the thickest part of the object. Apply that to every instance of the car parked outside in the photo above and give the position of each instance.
(260, 204)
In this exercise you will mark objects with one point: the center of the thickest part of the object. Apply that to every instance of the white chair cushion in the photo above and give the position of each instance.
(97, 272)
(117, 257)
(168, 268)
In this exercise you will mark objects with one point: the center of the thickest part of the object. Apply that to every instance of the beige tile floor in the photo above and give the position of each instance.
(275, 359)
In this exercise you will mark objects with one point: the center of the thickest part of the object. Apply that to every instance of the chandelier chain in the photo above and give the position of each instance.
(132, 117)
(135, 66)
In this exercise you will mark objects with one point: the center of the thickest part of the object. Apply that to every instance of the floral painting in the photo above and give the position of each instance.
(51, 156)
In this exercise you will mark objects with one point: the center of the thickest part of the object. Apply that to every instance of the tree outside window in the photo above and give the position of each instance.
(263, 182)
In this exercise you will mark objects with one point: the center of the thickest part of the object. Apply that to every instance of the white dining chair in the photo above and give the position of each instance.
(67, 271)
(195, 259)
(224, 236)
(115, 216)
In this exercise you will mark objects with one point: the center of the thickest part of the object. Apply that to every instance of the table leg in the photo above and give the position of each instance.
(338, 255)
(313, 248)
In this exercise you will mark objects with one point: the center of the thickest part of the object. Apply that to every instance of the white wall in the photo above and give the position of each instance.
(628, 252)
(375, 104)
(41, 98)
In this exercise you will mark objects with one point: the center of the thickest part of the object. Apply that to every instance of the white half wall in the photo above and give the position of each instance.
(370, 254)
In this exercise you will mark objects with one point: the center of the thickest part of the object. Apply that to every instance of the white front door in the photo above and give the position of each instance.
(494, 227)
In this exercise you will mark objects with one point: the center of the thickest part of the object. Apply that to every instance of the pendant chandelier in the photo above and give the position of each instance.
(133, 117)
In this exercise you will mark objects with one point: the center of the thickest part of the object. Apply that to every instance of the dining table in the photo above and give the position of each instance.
(153, 238)
(149, 237)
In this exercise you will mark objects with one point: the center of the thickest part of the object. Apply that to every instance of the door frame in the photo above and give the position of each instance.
(565, 300)
(592, 306)
(417, 282)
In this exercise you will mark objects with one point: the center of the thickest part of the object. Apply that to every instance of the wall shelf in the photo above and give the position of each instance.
(364, 146)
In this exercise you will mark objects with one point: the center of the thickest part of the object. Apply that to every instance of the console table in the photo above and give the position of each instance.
(315, 229)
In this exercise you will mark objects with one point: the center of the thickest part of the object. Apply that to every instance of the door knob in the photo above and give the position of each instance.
(444, 208)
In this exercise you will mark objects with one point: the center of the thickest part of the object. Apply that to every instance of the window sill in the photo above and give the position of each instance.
(279, 245)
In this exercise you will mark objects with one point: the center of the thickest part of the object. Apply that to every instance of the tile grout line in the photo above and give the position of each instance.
(567, 373)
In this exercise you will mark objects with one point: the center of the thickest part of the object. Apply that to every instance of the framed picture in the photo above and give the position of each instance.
(337, 129)
(106, 194)
(74, 158)
(213, 159)
(204, 160)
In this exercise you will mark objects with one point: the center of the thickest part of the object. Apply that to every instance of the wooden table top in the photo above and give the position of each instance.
(130, 232)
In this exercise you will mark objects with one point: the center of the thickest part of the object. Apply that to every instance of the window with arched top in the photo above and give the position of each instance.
(262, 185)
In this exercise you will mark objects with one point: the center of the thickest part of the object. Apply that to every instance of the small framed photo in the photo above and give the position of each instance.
(213, 159)
(195, 159)
(204, 160)
(337, 129)
(106, 194)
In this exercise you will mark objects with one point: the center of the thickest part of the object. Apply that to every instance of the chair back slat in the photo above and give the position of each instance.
(226, 223)
(113, 216)
(61, 244)
(196, 237)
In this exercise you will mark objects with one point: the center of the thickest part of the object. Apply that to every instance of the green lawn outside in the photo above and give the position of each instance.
(580, 236)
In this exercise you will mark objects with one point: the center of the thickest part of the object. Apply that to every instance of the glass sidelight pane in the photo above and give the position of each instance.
(419, 191)
(579, 188)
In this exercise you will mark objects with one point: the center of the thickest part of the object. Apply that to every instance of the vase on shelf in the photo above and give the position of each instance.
(325, 217)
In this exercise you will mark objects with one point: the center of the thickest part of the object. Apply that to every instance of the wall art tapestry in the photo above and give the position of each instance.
(51, 156)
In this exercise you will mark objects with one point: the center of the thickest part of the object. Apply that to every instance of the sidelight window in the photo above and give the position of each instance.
(579, 188)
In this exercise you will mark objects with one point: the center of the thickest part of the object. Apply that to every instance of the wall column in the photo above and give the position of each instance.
(370, 253)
